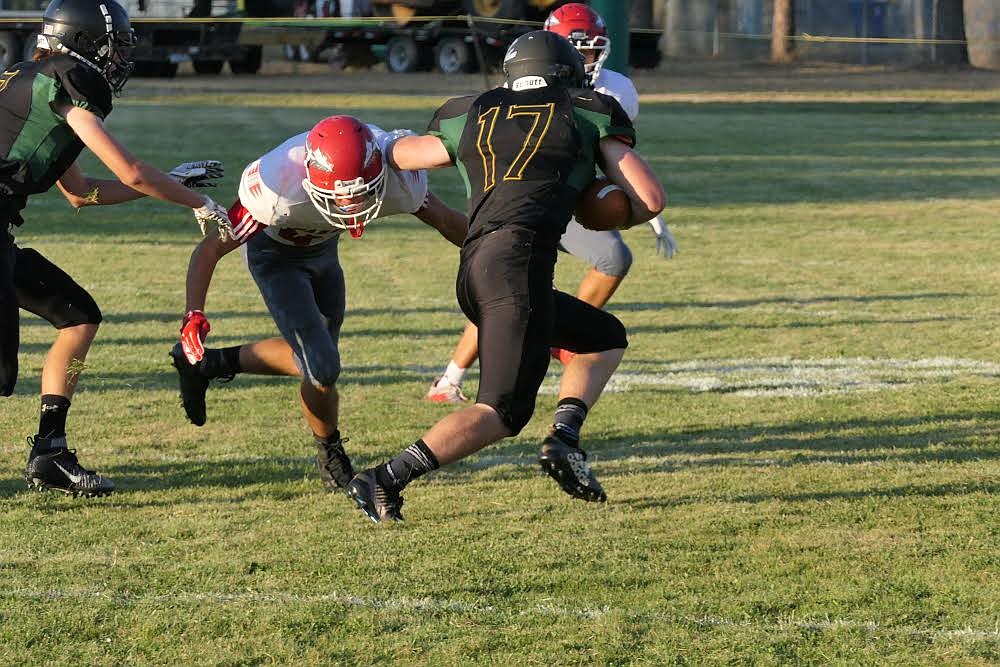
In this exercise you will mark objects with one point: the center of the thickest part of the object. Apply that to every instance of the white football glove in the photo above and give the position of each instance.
(198, 174)
(665, 242)
(211, 212)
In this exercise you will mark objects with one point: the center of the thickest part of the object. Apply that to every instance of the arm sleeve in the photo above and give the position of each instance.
(614, 121)
(83, 87)
(448, 123)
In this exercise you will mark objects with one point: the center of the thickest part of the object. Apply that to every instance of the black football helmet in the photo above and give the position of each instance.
(542, 58)
(96, 32)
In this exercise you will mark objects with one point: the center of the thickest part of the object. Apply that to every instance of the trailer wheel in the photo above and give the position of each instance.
(453, 56)
(158, 70)
(249, 63)
(10, 49)
(211, 67)
(402, 55)
(495, 9)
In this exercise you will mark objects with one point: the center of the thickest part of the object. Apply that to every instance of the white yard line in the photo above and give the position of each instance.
(786, 376)
(436, 606)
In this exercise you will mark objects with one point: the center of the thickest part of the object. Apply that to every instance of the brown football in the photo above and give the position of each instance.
(603, 206)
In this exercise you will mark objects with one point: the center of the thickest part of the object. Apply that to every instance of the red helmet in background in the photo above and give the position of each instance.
(345, 173)
(585, 29)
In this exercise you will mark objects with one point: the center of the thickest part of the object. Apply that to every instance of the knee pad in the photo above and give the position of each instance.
(316, 355)
(617, 335)
(87, 312)
(322, 369)
(615, 260)
(520, 415)
(321, 374)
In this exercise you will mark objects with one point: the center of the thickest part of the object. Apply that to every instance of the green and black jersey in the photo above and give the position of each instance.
(525, 156)
(36, 144)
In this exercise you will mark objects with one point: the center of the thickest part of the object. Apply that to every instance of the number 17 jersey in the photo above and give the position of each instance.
(525, 156)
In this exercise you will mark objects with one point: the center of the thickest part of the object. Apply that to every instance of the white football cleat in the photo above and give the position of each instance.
(443, 391)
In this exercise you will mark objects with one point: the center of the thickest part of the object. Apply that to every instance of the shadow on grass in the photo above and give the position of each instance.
(888, 492)
(911, 439)
(967, 436)
(223, 315)
(94, 381)
(734, 304)
(801, 324)
(255, 478)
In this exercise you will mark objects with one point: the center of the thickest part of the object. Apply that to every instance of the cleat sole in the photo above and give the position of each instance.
(41, 487)
(569, 485)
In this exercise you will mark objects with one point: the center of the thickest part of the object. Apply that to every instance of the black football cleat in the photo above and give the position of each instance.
(568, 467)
(193, 387)
(335, 469)
(379, 503)
(59, 470)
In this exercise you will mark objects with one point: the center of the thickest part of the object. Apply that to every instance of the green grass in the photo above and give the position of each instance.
(800, 451)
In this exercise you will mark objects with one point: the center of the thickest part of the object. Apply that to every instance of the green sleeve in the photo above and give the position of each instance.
(448, 124)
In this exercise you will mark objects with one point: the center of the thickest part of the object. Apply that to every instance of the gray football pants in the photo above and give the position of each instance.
(605, 251)
(303, 288)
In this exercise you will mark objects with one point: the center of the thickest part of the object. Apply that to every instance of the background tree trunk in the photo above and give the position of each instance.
(982, 29)
(781, 29)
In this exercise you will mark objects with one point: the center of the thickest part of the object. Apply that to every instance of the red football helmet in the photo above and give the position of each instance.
(585, 29)
(345, 173)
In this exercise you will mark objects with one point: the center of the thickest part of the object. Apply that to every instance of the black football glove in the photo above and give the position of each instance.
(201, 174)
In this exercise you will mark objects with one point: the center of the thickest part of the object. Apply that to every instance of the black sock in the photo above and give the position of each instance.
(329, 440)
(52, 422)
(416, 460)
(570, 414)
(221, 362)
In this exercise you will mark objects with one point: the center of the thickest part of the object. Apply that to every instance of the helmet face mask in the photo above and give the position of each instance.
(345, 173)
(537, 59)
(95, 32)
(585, 29)
(600, 46)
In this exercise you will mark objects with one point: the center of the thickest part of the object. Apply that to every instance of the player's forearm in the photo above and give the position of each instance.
(451, 224)
(418, 152)
(99, 192)
(201, 268)
(150, 181)
(627, 168)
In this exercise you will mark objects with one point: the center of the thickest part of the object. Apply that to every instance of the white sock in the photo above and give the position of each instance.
(453, 374)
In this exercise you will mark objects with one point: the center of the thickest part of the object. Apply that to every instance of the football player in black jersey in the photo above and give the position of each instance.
(50, 108)
(526, 151)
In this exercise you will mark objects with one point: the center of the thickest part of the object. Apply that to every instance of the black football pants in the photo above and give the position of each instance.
(9, 325)
(29, 281)
(504, 286)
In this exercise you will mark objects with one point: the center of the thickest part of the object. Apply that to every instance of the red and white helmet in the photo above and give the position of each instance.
(585, 29)
(345, 173)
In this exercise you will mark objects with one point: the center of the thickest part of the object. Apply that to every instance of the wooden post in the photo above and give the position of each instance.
(782, 27)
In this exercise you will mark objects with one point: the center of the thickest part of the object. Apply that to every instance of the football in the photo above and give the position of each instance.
(603, 206)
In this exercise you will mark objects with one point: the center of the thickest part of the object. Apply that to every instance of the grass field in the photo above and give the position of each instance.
(800, 449)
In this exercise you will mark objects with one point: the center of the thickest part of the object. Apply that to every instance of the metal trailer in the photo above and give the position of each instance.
(454, 36)
(165, 37)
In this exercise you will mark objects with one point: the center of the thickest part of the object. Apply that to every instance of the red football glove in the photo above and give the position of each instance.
(194, 330)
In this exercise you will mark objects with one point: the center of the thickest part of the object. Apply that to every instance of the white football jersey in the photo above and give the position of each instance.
(620, 87)
(271, 191)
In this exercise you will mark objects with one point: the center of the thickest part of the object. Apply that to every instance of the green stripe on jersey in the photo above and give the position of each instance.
(45, 135)
(590, 125)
